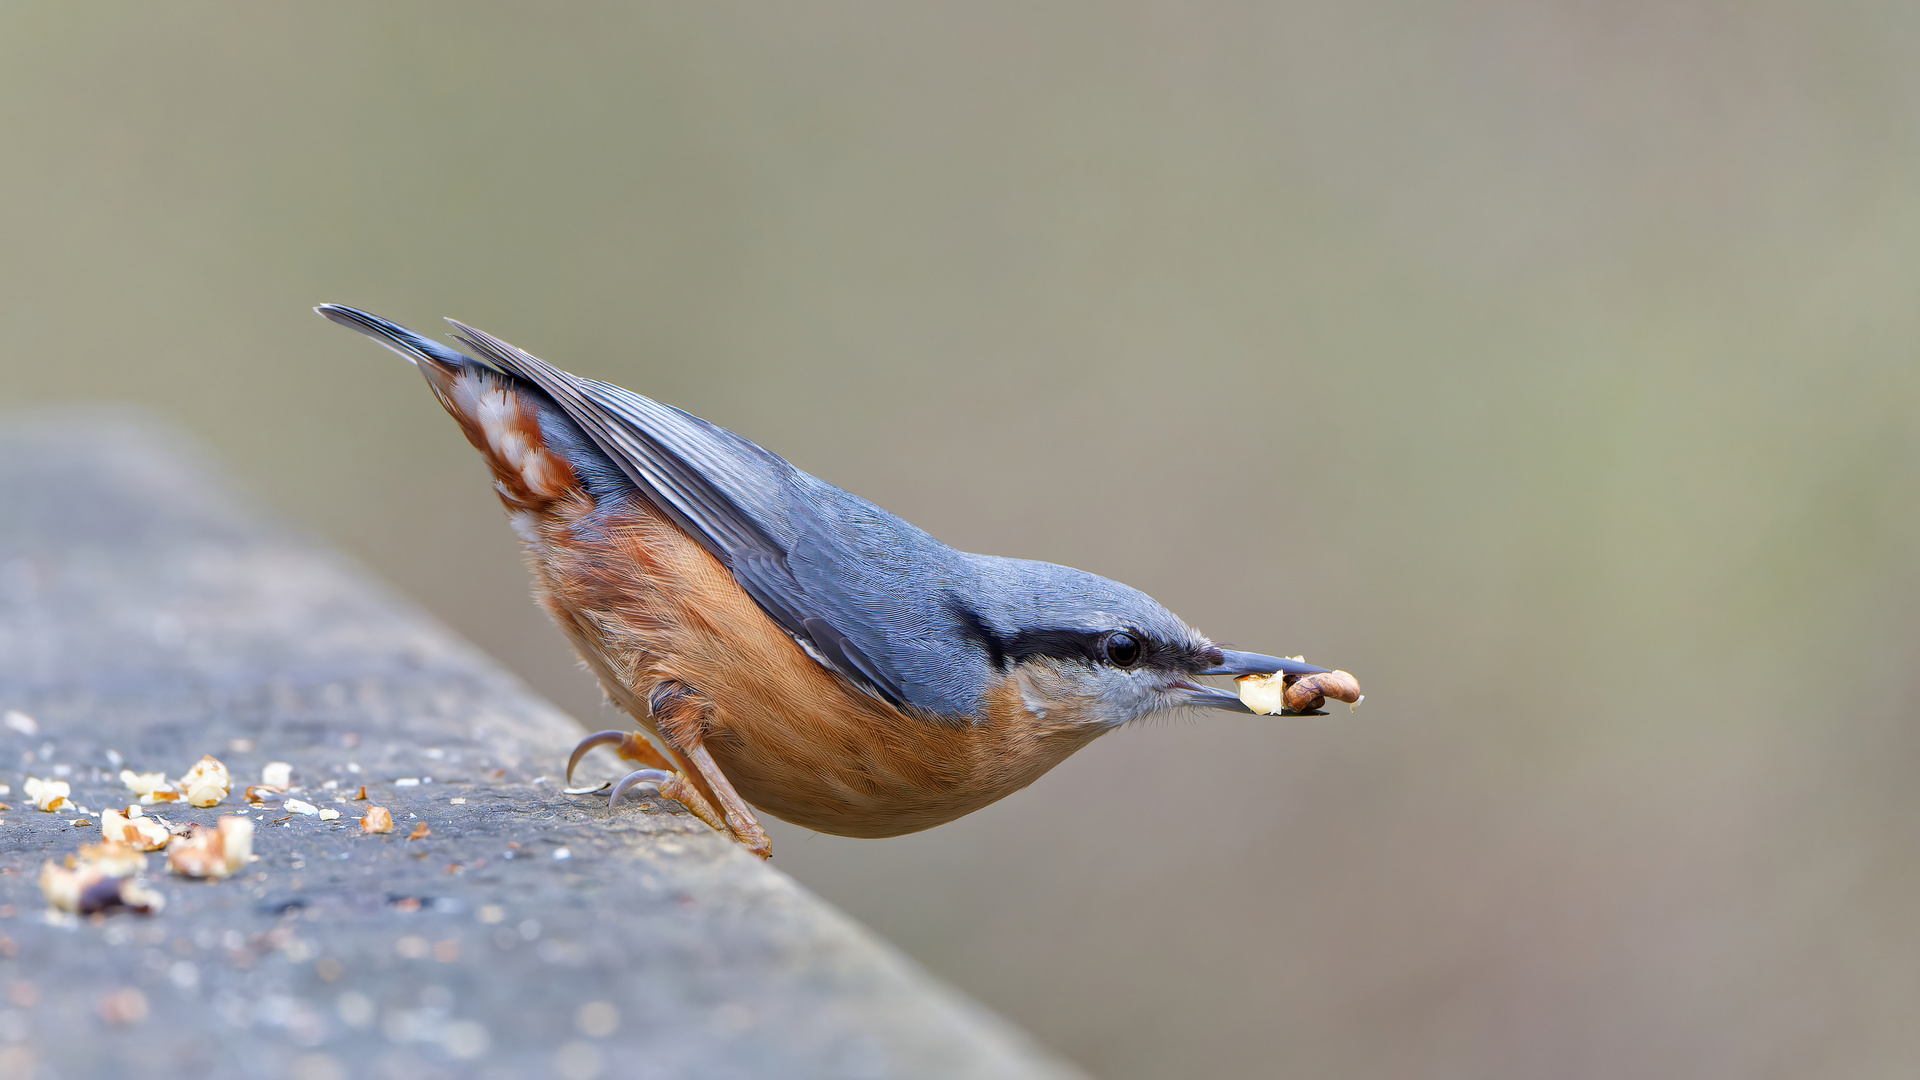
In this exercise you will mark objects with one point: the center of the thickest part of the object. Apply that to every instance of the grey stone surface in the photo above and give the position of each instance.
(147, 618)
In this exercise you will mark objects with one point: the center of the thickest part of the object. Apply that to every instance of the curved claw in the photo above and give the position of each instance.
(634, 779)
(598, 738)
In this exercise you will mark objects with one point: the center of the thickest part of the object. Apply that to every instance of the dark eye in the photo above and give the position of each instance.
(1123, 650)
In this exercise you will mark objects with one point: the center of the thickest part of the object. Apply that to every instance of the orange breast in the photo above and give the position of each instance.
(644, 603)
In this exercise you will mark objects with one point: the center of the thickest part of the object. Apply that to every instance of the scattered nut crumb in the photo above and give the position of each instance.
(300, 806)
(144, 783)
(48, 795)
(363, 794)
(100, 878)
(207, 782)
(378, 820)
(328, 813)
(22, 723)
(277, 774)
(133, 829)
(597, 1019)
(420, 832)
(260, 793)
(123, 1006)
(213, 853)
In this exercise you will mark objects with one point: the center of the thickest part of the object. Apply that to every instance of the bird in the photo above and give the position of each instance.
(784, 645)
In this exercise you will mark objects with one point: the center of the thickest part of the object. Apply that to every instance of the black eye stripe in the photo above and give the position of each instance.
(1090, 647)
(1057, 644)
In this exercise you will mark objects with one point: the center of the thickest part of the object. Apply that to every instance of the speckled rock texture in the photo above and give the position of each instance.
(146, 619)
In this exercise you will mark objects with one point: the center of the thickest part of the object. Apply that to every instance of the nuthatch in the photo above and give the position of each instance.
(786, 644)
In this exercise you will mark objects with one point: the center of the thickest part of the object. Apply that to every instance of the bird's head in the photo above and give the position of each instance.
(1083, 647)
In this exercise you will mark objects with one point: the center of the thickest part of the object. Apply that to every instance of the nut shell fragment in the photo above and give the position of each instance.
(377, 820)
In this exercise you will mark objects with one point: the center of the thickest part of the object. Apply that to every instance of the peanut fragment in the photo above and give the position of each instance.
(207, 782)
(1306, 693)
(213, 853)
(48, 795)
(378, 820)
(102, 877)
(1272, 694)
(133, 829)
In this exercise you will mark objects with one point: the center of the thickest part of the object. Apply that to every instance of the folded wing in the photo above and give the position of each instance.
(718, 487)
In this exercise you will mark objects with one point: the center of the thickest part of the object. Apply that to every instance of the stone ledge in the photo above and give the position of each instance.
(146, 618)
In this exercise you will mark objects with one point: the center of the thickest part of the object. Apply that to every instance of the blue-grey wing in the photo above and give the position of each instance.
(754, 512)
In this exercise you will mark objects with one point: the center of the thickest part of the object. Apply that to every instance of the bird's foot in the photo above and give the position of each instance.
(671, 784)
(670, 779)
(630, 745)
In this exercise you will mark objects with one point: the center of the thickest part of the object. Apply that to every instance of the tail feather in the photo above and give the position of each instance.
(499, 413)
(398, 338)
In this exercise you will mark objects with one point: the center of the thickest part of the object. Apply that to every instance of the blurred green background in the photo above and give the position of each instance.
(1549, 365)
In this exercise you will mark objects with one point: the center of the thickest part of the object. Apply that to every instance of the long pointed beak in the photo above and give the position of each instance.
(1253, 663)
(1206, 697)
(1241, 663)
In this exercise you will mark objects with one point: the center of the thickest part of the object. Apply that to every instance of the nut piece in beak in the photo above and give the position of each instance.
(1270, 695)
